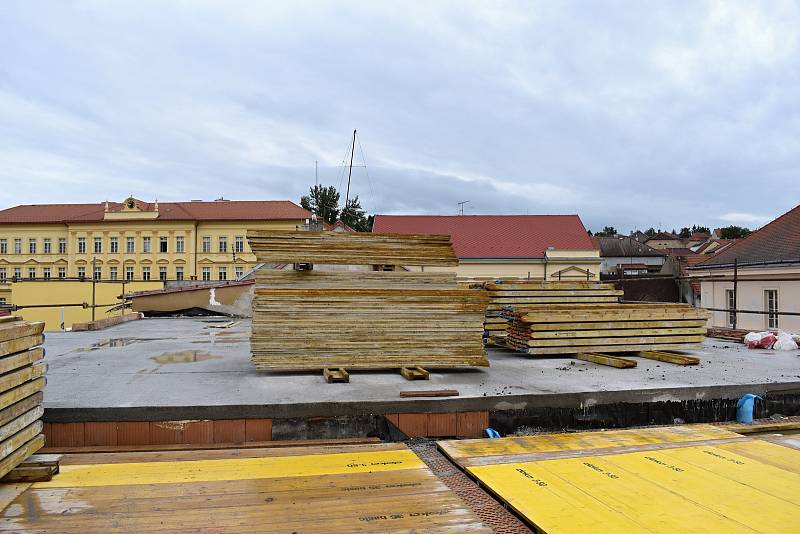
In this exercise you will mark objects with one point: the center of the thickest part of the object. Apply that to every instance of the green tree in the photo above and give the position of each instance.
(354, 216)
(650, 232)
(323, 202)
(734, 232)
(608, 231)
(700, 229)
(685, 232)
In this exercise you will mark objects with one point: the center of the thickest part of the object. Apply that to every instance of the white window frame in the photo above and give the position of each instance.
(130, 245)
(206, 273)
(81, 245)
(179, 244)
(162, 274)
(178, 273)
(62, 245)
(239, 244)
(146, 244)
(62, 272)
(98, 245)
(129, 273)
(222, 244)
(17, 245)
(3, 246)
(163, 244)
(729, 305)
(32, 245)
(207, 244)
(47, 245)
(145, 273)
(113, 245)
(112, 273)
(772, 321)
(46, 273)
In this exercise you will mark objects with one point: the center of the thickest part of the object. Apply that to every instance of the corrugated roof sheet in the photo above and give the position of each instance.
(167, 211)
(495, 236)
(776, 241)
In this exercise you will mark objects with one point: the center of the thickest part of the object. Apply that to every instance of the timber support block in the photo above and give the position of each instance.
(335, 375)
(414, 373)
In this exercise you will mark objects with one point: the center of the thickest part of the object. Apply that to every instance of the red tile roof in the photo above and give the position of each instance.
(495, 236)
(776, 241)
(222, 210)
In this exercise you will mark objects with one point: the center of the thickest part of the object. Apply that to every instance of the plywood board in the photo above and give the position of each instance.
(377, 488)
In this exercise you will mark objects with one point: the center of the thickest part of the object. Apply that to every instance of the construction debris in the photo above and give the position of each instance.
(21, 381)
(314, 320)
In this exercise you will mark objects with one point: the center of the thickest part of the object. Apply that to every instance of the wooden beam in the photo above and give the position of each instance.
(431, 393)
(605, 359)
(669, 357)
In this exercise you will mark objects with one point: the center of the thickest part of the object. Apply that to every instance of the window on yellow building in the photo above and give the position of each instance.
(223, 243)
(239, 273)
(145, 273)
(3, 246)
(146, 244)
(31, 273)
(130, 245)
(2, 273)
(128, 273)
(179, 243)
(239, 243)
(31, 246)
(62, 272)
(46, 273)
(98, 245)
(162, 273)
(112, 273)
(47, 246)
(98, 273)
(81, 272)
(206, 274)
(162, 245)
(17, 246)
(17, 273)
(178, 273)
(62, 245)
(113, 245)
(81, 245)
(206, 244)
(223, 273)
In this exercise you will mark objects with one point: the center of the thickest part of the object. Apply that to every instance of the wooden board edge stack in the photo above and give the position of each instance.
(337, 320)
(21, 382)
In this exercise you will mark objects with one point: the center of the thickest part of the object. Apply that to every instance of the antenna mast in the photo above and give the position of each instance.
(461, 206)
(350, 173)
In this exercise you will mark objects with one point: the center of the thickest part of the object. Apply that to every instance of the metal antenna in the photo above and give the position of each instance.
(461, 206)
(350, 173)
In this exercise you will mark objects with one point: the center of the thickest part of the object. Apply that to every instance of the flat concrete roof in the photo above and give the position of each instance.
(182, 368)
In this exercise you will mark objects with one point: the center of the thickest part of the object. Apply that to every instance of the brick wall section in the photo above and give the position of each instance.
(441, 425)
(157, 432)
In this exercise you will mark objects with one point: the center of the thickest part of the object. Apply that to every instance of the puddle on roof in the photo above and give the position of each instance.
(185, 356)
(116, 342)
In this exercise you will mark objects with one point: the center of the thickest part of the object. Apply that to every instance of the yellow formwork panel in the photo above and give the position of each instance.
(765, 452)
(472, 448)
(231, 469)
(688, 489)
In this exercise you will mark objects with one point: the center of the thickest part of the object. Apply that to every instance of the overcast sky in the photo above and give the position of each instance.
(632, 114)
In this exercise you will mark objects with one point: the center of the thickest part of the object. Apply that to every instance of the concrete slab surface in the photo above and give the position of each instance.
(165, 363)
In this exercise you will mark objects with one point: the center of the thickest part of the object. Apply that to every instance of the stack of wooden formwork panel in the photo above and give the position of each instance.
(519, 295)
(21, 383)
(311, 319)
(580, 328)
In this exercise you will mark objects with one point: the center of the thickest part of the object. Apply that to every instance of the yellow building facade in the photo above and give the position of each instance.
(132, 241)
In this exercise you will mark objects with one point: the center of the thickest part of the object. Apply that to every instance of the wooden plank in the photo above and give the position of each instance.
(20, 359)
(13, 411)
(430, 393)
(41, 473)
(545, 351)
(19, 344)
(18, 329)
(20, 376)
(414, 373)
(24, 420)
(669, 357)
(11, 444)
(21, 392)
(633, 340)
(20, 454)
(335, 375)
(605, 359)
(351, 248)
